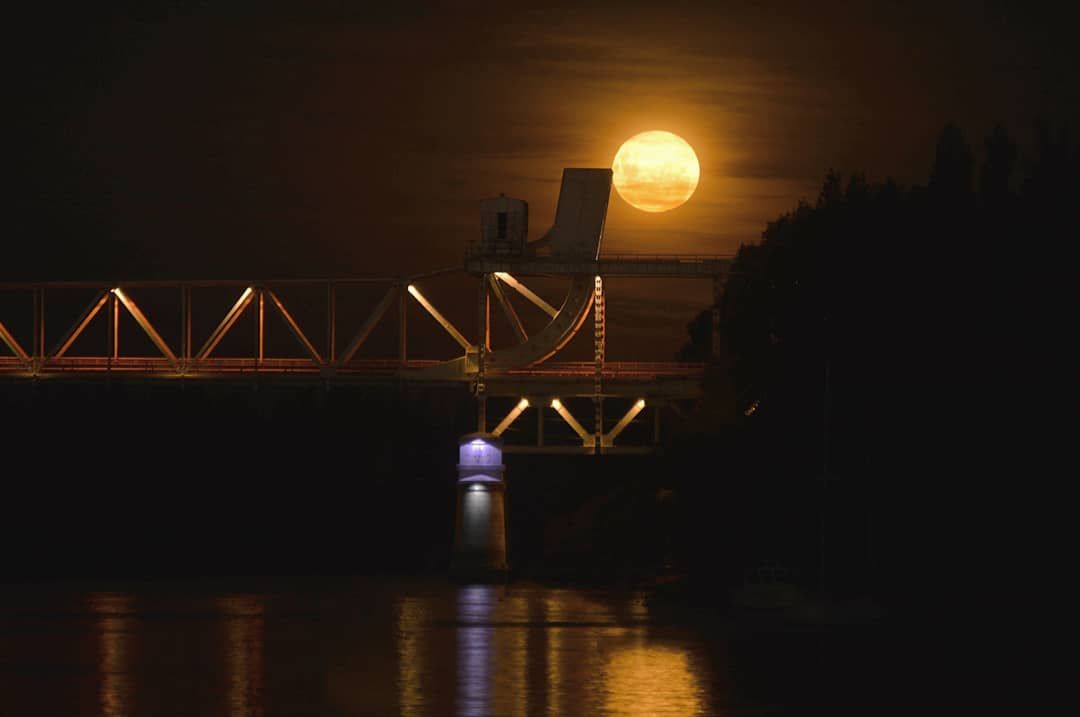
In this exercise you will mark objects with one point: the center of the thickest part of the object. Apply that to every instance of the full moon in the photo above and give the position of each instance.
(656, 171)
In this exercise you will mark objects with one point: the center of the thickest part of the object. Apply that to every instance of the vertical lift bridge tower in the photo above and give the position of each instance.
(480, 539)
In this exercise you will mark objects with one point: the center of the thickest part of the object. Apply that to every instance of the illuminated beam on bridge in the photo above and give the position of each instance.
(262, 325)
(13, 344)
(586, 439)
(508, 310)
(369, 325)
(610, 436)
(80, 325)
(226, 324)
(443, 321)
(527, 293)
(511, 417)
(295, 328)
(146, 326)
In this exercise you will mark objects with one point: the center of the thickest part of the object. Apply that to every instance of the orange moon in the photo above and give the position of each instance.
(656, 171)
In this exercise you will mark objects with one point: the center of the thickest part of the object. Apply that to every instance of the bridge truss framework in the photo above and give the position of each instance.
(544, 385)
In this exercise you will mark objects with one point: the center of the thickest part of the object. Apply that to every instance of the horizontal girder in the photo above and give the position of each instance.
(519, 370)
(644, 265)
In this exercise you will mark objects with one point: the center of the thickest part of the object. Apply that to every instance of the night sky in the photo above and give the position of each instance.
(197, 139)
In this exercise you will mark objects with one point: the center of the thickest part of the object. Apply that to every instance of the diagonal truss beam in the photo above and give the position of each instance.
(12, 343)
(527, 293)
(145, 325)
(443, 321)
(295, 328)
(80, 325)
(226, 324)
(508, 310)
(369, 325)
(511, 417)
(610, 436)
(587, 439)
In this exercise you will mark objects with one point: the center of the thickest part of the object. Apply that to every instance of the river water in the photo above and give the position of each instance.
(386, 647)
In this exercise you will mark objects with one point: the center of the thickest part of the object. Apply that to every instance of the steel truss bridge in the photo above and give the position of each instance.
(523, 372)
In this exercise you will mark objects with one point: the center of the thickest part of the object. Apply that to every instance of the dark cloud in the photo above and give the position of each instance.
(348, 136)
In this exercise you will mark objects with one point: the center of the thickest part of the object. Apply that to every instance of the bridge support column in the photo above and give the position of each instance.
(480, 528)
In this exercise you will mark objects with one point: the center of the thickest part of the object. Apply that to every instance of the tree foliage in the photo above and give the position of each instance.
(890, 289)
(872, 335)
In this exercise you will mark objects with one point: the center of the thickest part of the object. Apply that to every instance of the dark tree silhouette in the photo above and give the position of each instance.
(996, 175)
(866, 332)
(951, 176)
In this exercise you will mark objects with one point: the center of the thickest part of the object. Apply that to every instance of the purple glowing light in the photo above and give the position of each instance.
(479, 452)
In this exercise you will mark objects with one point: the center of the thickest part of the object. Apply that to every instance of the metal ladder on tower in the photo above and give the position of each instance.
(598, 356)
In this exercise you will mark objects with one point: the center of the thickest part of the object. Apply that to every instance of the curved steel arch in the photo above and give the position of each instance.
(576, 234)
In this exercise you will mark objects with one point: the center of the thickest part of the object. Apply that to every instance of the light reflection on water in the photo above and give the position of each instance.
(115, 628)
(412, 615)
(244, 625)
(548, 652)
(474, 650)
(553, 613)
(414, 650)
(642, 679)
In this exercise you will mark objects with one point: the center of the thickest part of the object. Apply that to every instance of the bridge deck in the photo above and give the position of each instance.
(615, 265)
(644, 265)
(620, 378)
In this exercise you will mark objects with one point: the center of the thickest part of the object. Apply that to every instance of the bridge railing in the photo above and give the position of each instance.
(385, 367)
(477, 250)
(614, 369)
(679, 258)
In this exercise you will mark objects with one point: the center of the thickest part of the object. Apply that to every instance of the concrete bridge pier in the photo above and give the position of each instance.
(480, 529)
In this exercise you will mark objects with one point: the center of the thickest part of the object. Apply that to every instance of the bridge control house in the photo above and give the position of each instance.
(504, 225)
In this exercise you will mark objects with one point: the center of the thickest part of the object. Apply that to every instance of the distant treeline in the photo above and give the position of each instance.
(891, 290)
(871, 334)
